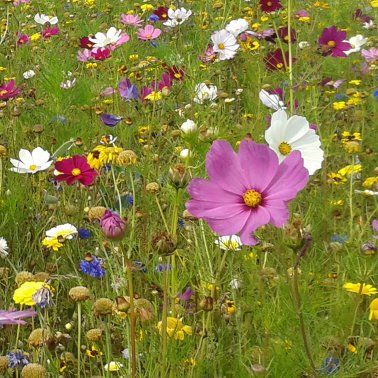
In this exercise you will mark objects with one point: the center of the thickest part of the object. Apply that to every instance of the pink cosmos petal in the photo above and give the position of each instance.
(259, 164)
(205, 190)
(256, 219)
(213, 210)
(64, 166)
(224, 169)
(229, 226)
(279, 213)
(291, 177)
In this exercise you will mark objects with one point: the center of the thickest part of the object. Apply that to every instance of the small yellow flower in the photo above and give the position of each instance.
(374, 3)
(91, 65)
(35, 37)
(358, 288)
(352, 348)
(350, 169)
(355, 82)
(52, 243)
(175, 328)
(93, 352)
(354, 101)
(154, 96)
(146, 7)
(336, 179)
(373, 315)
(2, 69)
(24, 294)
(370, 182)
(340, 105)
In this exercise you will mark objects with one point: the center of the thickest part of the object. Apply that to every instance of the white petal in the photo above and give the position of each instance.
(26, 157)
(40, 156)
(296, 127)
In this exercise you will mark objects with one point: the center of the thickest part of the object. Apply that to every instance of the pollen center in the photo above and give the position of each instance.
(221, 46)
(148, 36)
(331, 43)
(76, 172)
(32, 167)
(252, 198)
(284, 148)
(279, 65)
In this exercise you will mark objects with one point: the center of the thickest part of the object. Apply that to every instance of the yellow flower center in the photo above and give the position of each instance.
(177, 76)
(221, 46)
(148, 36)
(331, 43)
(252, 198)
(279, 65)
(76, 172)
(284, 148)
(32, 167)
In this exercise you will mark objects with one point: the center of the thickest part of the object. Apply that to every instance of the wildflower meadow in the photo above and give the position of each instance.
(188, 188)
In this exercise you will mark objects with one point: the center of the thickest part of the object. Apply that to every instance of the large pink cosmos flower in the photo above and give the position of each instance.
(15, 317)
(148, 33)
(246, 190)
(75, 168)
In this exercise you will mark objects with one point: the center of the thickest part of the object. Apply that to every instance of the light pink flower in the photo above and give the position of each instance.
(131, 19)
(148, 33)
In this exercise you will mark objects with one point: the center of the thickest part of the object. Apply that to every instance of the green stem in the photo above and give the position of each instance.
(132, 323)
(78, 337)
(164, 346)
(290, 57)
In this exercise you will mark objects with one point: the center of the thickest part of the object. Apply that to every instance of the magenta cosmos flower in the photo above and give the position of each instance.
(270, 5)
(148, 33)
(9, 90)
(112, 225)
(332, 42)
(246, 190)
(75, 168)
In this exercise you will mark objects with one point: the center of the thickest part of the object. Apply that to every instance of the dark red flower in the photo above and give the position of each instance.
(176, 73)
(332, 42)
(100, 53)
(283, 33)
(85, 43)
(9, 90)
(22, 39)
(49, 32)
(270, 5)
(162, 13)
(276, 60)
(75, 168)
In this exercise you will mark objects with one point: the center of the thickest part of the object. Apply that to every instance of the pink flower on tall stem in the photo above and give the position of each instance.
(246, 190)
(131, 19)
(9, 90)
(75, 168)
(148, 33)
(332, 42)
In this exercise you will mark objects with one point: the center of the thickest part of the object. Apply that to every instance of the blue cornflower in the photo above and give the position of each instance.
(17, 359)
(153, 18)
(138, 265)
(339, 238)
(92, 266)
(127, 200)
(330, 365)
(181, 223)
(162, 267)
(84, 233)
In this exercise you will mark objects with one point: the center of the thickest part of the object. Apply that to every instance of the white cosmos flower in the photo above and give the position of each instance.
(177, 17)
(43, 19)
(236, 27)
(204, 92)
(3, 248)
(285, 135)
(356, 43)
(103, 40)
(28, 74)
(66, 231)
(31, 162)
(188, 127)
(271, 101)
(225, 44)
(368, 25)
(229, 243)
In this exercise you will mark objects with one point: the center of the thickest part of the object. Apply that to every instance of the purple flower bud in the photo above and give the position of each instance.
(112, 225)
(110, 119)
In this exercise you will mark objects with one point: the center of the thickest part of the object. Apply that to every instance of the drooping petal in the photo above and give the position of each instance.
(256, 219)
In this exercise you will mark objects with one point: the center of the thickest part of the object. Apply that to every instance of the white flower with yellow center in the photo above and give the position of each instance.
(356, 43)
(63, 231)
(285, 135)
(224, 44)
(229, 243)
(236, 27)
(31, 162)
(44, 19)
(205, 93)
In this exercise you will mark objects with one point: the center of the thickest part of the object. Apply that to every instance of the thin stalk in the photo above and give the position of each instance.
(164, 346)
(78, 337)
(117, 191)
(132, 323)
(289, 42)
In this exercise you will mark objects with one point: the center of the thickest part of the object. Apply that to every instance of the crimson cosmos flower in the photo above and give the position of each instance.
(275, 60)
(75, 168)
(162, 13)
(9, 90)
(270, 5)
(332, 42)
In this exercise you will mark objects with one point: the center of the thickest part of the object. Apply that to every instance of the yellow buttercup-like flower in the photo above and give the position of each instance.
(24, 294)
(175, 328)
(373, 315)
(363, 289)
(350, 169)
